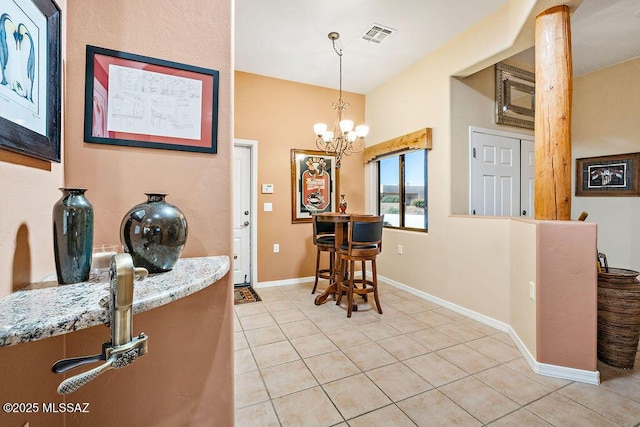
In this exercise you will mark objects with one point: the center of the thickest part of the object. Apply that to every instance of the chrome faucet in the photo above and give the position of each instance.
(122, 350)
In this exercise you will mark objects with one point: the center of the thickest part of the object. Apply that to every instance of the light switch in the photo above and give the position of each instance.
(267, 188)
(268, 207)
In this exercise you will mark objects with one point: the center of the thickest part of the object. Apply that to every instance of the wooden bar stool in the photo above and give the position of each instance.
(364, 244)
(325, 241)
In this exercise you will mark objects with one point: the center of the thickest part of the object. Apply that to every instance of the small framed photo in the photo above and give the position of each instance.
(138, 101)
(30, 97)
(609, 176)
(314, 184)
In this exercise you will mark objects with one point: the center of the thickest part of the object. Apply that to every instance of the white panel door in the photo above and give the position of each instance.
(527, 175)
(495, 175)
(241, 215)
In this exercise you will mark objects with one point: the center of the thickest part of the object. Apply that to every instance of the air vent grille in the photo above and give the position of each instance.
(377, 33)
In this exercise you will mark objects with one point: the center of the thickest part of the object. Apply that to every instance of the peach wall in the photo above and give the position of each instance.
(567, 294)
(29, 191)
(280, 114)
(182, 380)
(187, 376)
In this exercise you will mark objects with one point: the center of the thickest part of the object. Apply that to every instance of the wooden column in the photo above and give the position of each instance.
(554, 89)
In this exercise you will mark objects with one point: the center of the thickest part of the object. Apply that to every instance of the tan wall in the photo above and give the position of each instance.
(280, 114)
(187, 377)
(605, 121)
(473, 103)
(523, 271)
(465, 260)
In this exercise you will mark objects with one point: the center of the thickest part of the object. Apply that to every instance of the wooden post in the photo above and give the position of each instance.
(554, 89)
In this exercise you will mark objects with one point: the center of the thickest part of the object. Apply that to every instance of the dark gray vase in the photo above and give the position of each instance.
(72, 236)
(154, 233)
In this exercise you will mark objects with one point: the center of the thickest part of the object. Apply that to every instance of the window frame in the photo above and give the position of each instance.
(401, 188)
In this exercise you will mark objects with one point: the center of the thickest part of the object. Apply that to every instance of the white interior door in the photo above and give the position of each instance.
(242, 214)
(494, 175)
(527, 174)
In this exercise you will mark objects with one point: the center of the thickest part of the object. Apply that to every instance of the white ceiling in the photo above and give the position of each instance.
(287, 39)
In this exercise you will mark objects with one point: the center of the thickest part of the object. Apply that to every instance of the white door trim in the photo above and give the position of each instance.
(253, 146)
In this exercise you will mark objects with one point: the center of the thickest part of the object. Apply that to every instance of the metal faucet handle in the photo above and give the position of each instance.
(64, 365)
(117, 357)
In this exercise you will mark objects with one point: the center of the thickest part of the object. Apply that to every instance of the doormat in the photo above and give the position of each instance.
(245, 294)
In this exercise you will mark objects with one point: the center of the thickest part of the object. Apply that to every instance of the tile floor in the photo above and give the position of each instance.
(297, 364)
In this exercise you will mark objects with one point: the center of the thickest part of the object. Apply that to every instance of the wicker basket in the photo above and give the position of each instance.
(618, 317)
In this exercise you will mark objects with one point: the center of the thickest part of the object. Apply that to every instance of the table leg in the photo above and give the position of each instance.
(340, 232)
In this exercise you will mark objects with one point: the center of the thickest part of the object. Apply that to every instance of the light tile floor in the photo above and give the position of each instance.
(298, 364)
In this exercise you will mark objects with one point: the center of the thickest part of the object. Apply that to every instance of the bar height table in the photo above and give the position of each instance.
(341, 222)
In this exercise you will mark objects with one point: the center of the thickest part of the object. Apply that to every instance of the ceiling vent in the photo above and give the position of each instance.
(377, 33)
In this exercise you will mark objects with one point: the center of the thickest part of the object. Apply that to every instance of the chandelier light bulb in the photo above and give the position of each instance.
(319, 128)
(346, 125)
(362, 131)
(327, 136)
(351, 136)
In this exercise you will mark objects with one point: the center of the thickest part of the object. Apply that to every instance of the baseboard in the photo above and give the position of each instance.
(296, 281)
(555, 371)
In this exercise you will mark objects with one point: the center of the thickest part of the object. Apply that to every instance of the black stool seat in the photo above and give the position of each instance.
(326, 240)
(364, 244)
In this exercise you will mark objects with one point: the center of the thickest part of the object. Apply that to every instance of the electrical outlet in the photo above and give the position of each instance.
(276, 248)
(532, 291)
(399, 249)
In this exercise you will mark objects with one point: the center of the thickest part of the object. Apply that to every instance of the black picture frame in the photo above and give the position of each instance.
(608, 176)
(15, 137)
(158, 116)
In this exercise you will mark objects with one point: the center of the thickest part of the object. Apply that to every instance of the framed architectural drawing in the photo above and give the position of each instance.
(139, 101)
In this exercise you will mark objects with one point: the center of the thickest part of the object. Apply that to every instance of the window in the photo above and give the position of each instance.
(402, 190)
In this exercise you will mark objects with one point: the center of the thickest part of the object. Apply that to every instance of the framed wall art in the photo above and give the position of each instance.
(30, 78)
(138, 101)
(314, 184)
(515, 96)
(609, 176)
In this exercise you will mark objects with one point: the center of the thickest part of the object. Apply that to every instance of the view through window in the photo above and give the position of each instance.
(402, 186)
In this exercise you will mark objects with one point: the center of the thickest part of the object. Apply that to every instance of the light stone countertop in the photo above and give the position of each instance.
(46, 309)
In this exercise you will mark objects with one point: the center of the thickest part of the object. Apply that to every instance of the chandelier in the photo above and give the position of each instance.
(342, 139)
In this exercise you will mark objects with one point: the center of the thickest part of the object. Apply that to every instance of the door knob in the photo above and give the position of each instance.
(246, 223)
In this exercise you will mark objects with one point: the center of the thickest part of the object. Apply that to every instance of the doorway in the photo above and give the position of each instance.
(501, 173)
(245, 154)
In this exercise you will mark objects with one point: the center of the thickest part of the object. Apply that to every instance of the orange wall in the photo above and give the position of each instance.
(280, 114)
(187, 376)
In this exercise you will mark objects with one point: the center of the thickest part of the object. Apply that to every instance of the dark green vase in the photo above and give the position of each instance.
(154, 233)
(72, 236)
